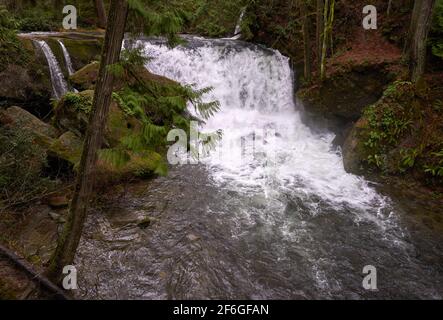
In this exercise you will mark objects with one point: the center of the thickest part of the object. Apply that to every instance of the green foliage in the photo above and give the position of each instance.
(78, 102)
(436, 168)
(436, 39)
(409, 158)
(388, 121)
(144, 18)
(6, 19)
(38, 20)
(158, 105)
(21, 165)
(11, 49)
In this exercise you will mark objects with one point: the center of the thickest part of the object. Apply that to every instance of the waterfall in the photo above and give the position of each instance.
(59, 85)
(67, 58)
(237, 32)
(255, 88)
(276, 214)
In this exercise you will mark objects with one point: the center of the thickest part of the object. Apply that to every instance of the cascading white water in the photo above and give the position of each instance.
(59, 85)
(67, 58)
(255, 89)
(283, 222)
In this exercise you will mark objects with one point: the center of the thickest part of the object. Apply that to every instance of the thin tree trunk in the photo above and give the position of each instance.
(324, 42)
(412, 27)
(306, 41)
(327, 35)
(319, 31)
(388, 12)
(69, 240)
(101, 13)
(418, 44)
(330, 24)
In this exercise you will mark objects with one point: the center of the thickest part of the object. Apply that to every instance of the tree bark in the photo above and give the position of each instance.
(388, 11)
(324, 41)
(319, 31)
(328, 18)
(306, 40)
(420, 25)
(412, 27)
(101, 13)
(70, 238)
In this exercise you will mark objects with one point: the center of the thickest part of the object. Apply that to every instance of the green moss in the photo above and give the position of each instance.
(85, 78)
(82, 51)
(67, 147)
(399, 134)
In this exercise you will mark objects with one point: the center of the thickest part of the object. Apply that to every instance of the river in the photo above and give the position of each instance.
(269, 214)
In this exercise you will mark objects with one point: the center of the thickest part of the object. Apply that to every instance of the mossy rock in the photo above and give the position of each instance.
(19, 119)
(67, 147)
(32, 81)
(354, 152)
(72, 112)
(399, 135)
(139, 165)
(86, 77)
(345, 95)
(83, 52)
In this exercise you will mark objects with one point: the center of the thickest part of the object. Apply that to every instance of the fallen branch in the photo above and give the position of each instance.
(59, 294)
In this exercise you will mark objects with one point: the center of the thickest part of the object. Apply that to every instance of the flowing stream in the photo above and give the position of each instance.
(67, 58)
(269, 214)
(59, 84)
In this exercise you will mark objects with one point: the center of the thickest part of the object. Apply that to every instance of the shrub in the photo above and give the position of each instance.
(21, 168)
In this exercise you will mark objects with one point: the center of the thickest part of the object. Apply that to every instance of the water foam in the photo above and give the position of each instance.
(255, 88)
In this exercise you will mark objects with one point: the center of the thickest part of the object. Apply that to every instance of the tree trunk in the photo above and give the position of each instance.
(388, 12)
(412, 27)
(328, 18)
(306, 41)
(69, 240)
(101, 13)
(324, 41)
(319, 30)
(420, 25)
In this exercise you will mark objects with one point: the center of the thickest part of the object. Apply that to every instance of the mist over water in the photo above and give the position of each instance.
(270, 214)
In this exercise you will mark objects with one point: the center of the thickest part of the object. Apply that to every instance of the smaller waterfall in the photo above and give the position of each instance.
(237, 32)
(59, 85)
(67, 58)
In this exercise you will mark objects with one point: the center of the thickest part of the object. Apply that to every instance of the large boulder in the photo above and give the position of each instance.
(344, 95)
(67, 147)
(354, 152)
(85, 78)
(72, 114)
(18, 118)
